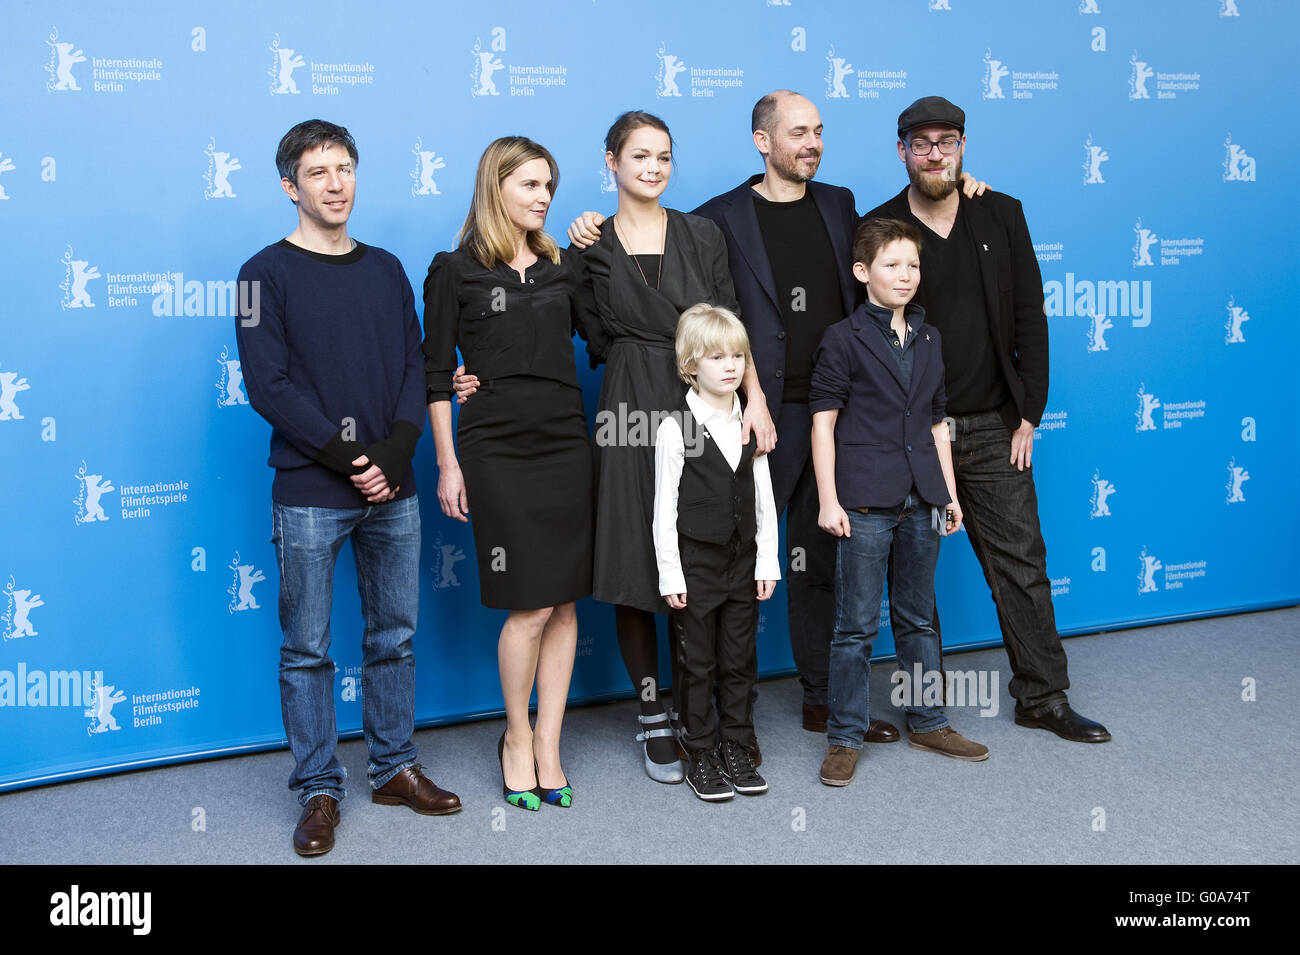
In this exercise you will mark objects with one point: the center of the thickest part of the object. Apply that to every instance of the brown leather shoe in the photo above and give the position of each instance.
(878, 731)
(815, 716)
(314, 835)
(839, 766)
(412, 788)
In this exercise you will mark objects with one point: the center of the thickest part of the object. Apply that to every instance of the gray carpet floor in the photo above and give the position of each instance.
(1195, 774)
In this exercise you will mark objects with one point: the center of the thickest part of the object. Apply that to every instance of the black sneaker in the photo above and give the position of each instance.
(738, 765)
(705, 776)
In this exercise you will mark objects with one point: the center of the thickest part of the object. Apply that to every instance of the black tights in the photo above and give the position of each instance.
(638, 640)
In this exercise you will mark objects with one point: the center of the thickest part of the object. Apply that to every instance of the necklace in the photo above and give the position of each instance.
(663, 238)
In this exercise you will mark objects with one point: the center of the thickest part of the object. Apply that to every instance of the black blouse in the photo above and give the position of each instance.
(504, 326)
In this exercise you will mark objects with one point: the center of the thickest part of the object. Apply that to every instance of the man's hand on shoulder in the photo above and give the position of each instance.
(758, 421)
(584, 231)
(972, 187)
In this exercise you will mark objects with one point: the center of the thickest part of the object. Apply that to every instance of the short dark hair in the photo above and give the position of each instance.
(765, 110)
(872, 235)
(629, 123)
(310, 135)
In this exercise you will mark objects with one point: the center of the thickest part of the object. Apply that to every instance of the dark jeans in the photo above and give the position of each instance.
(810, 571)
(1001, 519)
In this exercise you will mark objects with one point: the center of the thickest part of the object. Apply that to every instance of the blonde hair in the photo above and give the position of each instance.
(704, 329)
(488, 234)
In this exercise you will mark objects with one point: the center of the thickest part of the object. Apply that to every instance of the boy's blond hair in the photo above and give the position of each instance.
(703, 329)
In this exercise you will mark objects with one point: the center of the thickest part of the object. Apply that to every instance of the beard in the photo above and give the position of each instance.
(932, 187)
(788, 167)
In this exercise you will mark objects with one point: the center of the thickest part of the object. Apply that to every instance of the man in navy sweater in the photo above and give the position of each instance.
(331, 358)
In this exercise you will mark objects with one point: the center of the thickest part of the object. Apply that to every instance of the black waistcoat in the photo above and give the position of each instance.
(714, 502)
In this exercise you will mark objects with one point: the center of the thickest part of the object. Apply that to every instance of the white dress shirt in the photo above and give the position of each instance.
(670, 455)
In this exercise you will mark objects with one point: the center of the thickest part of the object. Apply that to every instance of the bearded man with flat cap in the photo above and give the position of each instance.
(981, 287)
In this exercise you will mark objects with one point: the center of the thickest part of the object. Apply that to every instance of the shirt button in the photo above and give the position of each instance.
(780, 335)
(907, 413)
(779, 375)
(909, 447)
(530, 281)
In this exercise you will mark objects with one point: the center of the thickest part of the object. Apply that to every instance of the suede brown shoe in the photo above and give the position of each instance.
(839, 765)
(948, 742)
(314, 835)
(412, 788)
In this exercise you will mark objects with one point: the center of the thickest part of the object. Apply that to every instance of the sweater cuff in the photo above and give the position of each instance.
(393, 455)
(338, 455)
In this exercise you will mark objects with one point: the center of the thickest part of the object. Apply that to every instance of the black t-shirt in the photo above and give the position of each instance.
(651, 266)
(807, 282)
(952, 295)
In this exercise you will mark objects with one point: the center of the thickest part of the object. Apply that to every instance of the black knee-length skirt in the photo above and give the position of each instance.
(526, 458)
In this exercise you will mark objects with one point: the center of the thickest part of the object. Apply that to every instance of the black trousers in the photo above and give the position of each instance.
(810, 568)
(716, 635)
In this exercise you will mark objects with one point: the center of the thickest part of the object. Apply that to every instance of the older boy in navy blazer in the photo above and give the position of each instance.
(880, 449)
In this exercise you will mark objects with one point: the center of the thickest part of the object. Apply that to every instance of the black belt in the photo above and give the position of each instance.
(630, 340)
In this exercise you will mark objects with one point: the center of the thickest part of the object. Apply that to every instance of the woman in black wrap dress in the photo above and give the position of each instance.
(649, 265)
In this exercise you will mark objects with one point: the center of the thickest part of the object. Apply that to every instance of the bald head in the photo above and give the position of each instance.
(767, 109)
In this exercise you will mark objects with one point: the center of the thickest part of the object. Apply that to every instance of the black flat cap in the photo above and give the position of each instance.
(931, 111)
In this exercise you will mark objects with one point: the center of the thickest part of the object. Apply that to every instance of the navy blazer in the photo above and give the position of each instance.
(751, 272)
(883, 442)
(1012, 287)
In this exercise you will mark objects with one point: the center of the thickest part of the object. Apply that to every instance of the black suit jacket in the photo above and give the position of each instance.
(883, 441)
(1012, 286)
(751, 272)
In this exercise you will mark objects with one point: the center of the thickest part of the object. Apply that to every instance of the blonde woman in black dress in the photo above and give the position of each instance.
(648, 265)
(521, 461)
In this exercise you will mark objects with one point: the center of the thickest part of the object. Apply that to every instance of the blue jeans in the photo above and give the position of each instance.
(860, 567)
(386, 549)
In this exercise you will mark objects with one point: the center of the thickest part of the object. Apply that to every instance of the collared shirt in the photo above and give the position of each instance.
(670, 455)
(901, 350)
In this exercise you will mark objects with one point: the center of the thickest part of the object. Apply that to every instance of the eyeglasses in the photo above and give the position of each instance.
(921, 147)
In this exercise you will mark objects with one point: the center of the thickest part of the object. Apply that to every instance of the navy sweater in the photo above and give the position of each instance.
(332, 360)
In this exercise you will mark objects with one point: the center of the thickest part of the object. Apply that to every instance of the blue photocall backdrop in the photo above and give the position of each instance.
(1152, 144)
